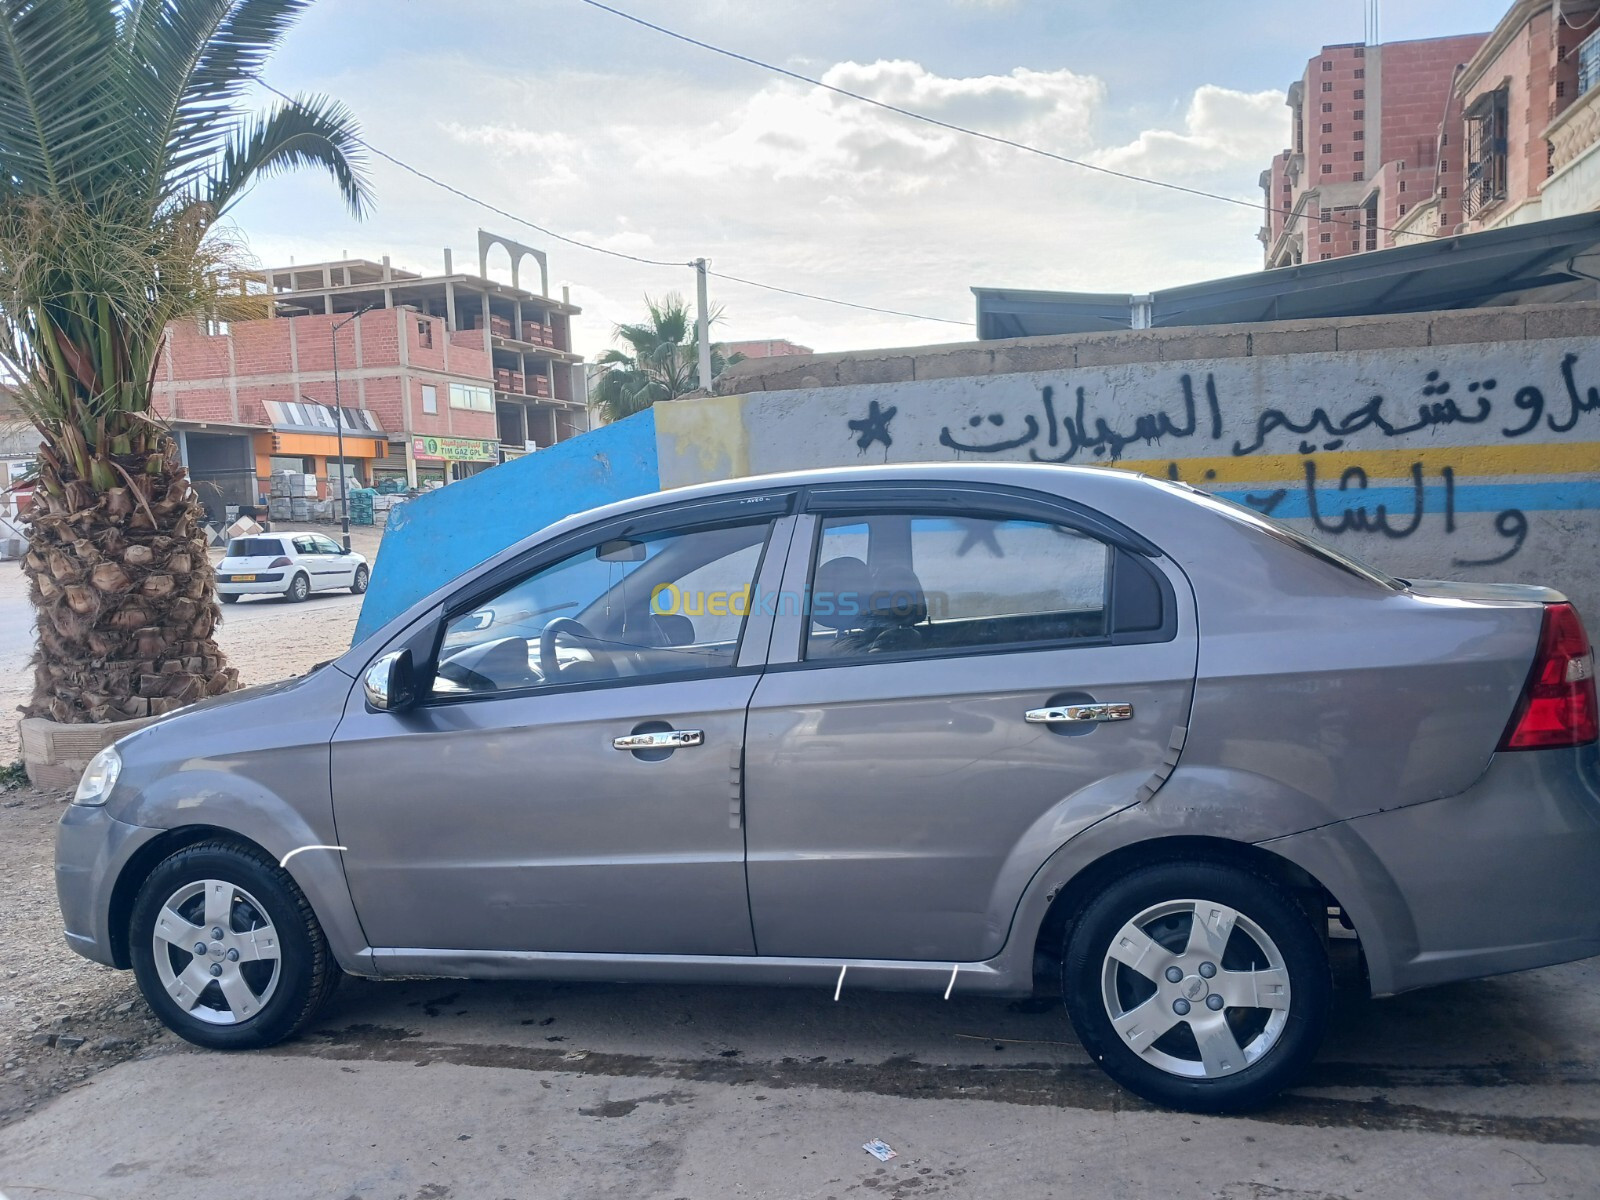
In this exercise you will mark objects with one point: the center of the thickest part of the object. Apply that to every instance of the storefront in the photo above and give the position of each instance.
(447, 459)
(305, 440)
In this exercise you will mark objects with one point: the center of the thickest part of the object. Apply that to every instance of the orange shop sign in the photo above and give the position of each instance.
(454, 449)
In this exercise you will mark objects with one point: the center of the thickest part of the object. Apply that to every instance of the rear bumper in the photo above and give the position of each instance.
(1502, 877)
(269, 587)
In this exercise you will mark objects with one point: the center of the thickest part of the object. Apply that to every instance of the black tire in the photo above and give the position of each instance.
(1284, 1046)
(299, 588)
(306, 974)
(229, 597)
(359, 584)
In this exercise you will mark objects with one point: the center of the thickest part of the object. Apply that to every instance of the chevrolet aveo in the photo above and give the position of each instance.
(979, 728)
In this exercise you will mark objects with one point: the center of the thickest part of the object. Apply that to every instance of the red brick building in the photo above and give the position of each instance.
(1531, 117)
(438, 377)
(1366, 130)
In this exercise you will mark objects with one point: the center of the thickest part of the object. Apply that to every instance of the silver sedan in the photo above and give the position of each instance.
(973, 729)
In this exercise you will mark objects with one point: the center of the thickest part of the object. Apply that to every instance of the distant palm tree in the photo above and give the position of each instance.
(122, 140)
(662, 361)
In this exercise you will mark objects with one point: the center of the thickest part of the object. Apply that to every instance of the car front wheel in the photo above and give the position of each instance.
(227, 950)
(359, 583)
(1198, 986)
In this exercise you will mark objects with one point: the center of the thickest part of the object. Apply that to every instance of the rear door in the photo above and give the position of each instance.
(974, 677)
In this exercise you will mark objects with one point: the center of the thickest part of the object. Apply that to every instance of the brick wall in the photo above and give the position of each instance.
(383, 357)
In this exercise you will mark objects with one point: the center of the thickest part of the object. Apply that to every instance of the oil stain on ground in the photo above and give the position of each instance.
(1081, 1085)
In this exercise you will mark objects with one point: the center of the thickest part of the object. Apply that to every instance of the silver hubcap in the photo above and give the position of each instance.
(216, 953)
(1195, 988)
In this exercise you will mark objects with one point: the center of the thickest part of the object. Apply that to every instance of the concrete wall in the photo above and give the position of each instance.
(1451, 445)
(1458, 445)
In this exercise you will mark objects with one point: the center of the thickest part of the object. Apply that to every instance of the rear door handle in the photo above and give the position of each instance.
(667, 739)
(1079, 713)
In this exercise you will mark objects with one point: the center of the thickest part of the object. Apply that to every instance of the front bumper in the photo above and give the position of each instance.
(1503, 877)
(92, 847)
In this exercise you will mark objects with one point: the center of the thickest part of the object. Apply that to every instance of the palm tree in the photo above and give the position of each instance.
(662, 361)
(122, 141)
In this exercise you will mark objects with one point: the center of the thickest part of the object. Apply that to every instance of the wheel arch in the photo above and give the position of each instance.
(1072, 896)
(138, 868)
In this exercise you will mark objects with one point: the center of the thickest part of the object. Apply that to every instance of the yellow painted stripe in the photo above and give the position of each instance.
(1558, 458)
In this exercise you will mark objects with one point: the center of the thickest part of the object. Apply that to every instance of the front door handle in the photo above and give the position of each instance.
(1078, 713)
(666, 739)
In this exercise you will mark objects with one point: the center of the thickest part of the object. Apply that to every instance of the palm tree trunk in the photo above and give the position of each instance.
(123, 592)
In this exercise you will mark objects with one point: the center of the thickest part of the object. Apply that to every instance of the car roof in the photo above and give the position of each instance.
(279, 533)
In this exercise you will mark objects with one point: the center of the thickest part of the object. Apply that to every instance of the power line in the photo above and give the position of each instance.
(995, 138)
(583, 245)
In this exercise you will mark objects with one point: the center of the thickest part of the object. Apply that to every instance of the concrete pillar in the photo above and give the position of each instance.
(484, 298)
(449, 304)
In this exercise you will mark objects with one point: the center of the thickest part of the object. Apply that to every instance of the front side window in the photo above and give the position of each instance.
(327, 545)
(909, 583)
(665, 604)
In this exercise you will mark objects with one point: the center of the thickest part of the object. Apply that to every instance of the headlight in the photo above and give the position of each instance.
(99, 777)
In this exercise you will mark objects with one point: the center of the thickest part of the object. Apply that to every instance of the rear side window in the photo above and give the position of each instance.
(254, 548)
(907, 583)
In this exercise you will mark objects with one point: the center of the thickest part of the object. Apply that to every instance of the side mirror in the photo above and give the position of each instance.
(389, 684)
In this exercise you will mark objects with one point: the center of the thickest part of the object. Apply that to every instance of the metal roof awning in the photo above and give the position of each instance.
(1532, 263)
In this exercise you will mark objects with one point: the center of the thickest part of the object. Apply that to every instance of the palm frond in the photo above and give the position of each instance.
(56, 70)
(190, 64)
(313, 131)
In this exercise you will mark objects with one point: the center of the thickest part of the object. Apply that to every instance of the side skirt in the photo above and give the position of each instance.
(989, 978)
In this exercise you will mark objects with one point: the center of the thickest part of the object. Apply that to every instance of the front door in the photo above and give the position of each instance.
(339, 568)
(571, 782)
(904, 777)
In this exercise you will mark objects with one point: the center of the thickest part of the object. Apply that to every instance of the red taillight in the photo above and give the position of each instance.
(1557, 706)
(280, 561)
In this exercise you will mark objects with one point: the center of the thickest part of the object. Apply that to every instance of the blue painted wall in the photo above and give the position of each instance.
(437, 536)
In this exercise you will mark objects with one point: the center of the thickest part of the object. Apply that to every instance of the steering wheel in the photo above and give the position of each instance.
(549, 667)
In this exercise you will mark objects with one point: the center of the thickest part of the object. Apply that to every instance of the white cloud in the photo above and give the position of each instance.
(789, 184)
(1222, 128)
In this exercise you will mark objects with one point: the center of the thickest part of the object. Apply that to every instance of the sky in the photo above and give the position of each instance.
(613, 134)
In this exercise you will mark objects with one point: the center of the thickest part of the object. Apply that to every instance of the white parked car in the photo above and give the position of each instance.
(292, 565)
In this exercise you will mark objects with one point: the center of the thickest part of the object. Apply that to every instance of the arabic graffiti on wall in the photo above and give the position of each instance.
(1457, 445)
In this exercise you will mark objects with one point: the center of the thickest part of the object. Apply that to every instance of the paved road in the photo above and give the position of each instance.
(426, 1090)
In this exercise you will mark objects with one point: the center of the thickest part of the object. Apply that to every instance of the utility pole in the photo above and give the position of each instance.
(704, 324)
(338, 424)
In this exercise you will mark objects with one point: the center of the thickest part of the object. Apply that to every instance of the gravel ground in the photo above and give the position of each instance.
(63, 1018)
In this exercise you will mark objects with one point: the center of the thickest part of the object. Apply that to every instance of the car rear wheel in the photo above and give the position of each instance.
(299, 588)
(359, 584)
(1198, 986)
(228, 597)
(227, 950)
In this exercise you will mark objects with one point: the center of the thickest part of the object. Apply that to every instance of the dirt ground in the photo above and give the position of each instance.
(63, 1019)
